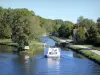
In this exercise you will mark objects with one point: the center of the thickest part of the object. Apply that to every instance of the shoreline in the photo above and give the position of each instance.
(85, 52)
(10, 44)
(34, 46)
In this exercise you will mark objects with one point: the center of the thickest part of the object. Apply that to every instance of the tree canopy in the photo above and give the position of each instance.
(22, 25)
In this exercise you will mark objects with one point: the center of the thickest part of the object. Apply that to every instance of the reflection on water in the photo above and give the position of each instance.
(6, 49)
(53, 62)
(70, 63)
(70, 53)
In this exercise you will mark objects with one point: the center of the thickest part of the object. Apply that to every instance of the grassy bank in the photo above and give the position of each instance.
(5, 40)
(97, 48)
(55, 38)
(87, 53)
(8, 42)
(35, 46)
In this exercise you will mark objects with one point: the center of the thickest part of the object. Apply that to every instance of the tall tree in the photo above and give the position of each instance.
(92, 35)
(80, 35)
(65, 30)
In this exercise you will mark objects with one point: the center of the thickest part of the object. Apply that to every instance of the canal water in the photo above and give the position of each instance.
(70, 63)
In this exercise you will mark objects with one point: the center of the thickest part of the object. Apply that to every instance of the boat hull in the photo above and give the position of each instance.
(50, 56)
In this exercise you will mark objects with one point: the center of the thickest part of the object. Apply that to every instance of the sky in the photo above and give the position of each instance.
(58, 9)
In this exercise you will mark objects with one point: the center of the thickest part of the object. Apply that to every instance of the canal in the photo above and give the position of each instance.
(70, 63)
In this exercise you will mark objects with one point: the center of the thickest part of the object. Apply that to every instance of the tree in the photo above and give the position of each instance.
(80, 21)
(92, 35)
(98, 25)
(85, 22)
(5, 29)
(98, 20)
(98, 31)
(22, 31)
(64, 31)
(80, 35)
(56, 27)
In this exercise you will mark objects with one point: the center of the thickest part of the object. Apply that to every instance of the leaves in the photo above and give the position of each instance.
(80, 35)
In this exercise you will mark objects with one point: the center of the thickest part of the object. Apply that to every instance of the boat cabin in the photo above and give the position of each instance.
(53, 52)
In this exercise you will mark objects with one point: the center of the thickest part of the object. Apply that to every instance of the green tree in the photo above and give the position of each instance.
(5, 29)
(98, 25)
(92, 35)
(80, 35)
(80, 21)
(85, 22)
(98, 31)
(66, 29)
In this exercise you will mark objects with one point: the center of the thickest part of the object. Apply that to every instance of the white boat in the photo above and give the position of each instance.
(53, 52)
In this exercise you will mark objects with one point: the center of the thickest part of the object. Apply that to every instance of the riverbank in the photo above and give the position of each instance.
(82, 49)
(34, 45)
(89, 53)
(97, 48)
(8, 42)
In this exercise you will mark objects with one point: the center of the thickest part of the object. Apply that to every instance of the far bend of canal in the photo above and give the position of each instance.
(70, 63)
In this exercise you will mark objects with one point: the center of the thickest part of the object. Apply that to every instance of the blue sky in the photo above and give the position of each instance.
(58, 9)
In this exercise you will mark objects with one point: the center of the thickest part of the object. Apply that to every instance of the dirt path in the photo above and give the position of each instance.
(85, 47)
(96, 51)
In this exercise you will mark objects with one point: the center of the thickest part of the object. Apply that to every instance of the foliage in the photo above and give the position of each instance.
(85, 22)
(22, 25)
(5, 30)
(91, 28)
(80, 35)
(92, 35)
(65, 29)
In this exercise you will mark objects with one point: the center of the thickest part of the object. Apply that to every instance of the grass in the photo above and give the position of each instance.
(54, 38)
(35, 46)
(89, 54)
(5, 40)
(8, 42)
(97, 48)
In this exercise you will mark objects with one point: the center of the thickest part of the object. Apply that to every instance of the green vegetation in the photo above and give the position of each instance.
(87, 53)
(35, 46)
(54, 38)
(96, 47)
(5, 40)
(66, 29)
(8, 42)
(88, 31)
(80, 35)
(22, 26)
(91, 55)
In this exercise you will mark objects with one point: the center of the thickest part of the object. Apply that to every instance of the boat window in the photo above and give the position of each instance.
(50, 53)
(55, 50)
